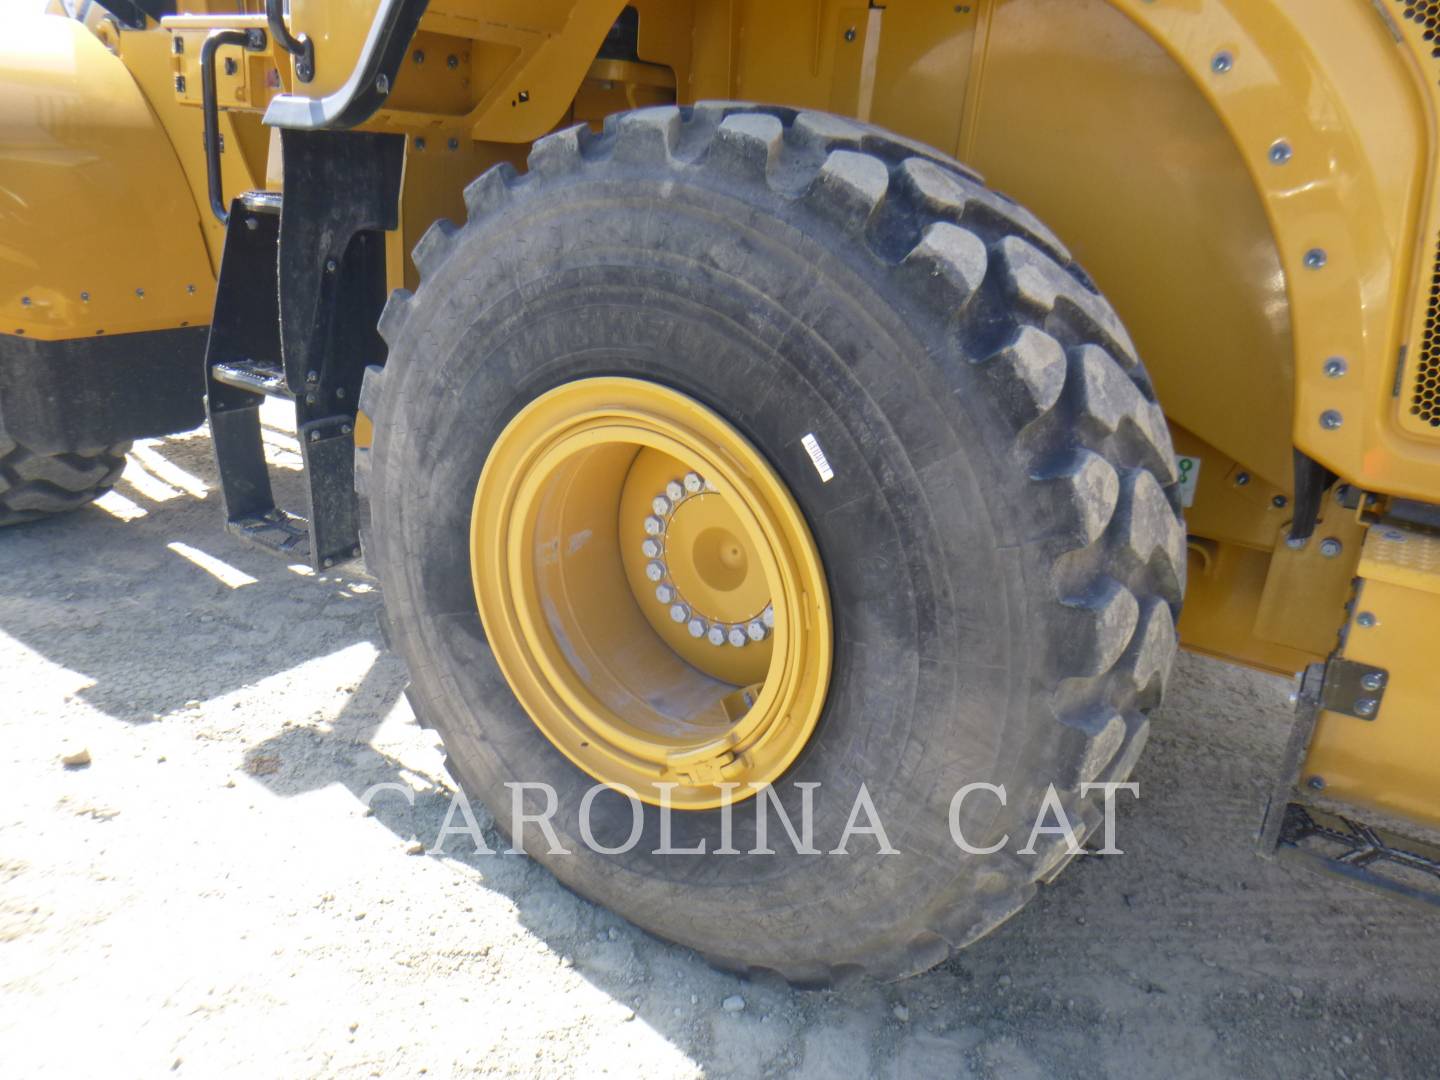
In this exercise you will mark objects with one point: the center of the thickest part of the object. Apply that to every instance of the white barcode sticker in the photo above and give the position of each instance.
(817, 457)
(1189, 468)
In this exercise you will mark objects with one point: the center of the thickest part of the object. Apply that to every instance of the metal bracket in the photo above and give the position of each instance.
(1353, 689)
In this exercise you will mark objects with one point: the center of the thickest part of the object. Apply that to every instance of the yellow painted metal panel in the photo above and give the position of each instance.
(1085, 119)
(99, 232)
(1391, 763)
(1222, 598)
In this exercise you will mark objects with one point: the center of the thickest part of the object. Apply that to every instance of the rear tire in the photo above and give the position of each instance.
(1001, 535)
(35, 485)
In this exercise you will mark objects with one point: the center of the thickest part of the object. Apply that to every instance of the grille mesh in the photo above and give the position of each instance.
(1425, 389)
(1427, 14)
(1425, 397)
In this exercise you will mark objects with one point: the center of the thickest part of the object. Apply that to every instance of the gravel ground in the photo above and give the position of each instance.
(209, 895)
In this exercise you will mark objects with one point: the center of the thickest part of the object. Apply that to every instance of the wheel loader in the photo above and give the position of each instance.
(757, 411)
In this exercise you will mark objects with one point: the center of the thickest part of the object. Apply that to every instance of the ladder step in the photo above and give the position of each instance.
(284, 533)
(255, 376)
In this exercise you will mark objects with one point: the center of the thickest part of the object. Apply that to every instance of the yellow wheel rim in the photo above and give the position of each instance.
(651, 592)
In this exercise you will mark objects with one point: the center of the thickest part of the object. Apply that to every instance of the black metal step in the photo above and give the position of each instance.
(256, 376)
(282, 532)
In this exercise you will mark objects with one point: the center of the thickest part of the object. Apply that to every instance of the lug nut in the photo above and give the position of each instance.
(665, 594)
(693, 483)
(660, 504)
(651, 549)
(768, 616)
(680, 613)
(736, 637)
(674, 491)
(653, 525)
(697, 628)
(655, 570)
(756, 630)
(715, 635)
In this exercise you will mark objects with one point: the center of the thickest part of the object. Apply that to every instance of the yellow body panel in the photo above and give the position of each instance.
(1390, 763)
(87, 176)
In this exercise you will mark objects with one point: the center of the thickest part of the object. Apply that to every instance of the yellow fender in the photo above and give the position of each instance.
(99, 231)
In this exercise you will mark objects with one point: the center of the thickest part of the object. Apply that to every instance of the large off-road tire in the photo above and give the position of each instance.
(33, 485)
(1001, 536)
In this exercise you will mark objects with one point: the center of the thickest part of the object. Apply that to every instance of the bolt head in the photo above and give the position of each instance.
(1296, 543)
(252, 223)
(674, 491)
(715, 635)
(1279, 502)
(849, 33)
(693, 483)
(768, 616)
(452, 61)
(653, 525)
(1316, 259)
(1336, 367)
(655, 570)
(1330, 419)
(1366, 619)
(1330, 547)
(651, 548)
(382, 84)
(330, 265)
(328, 562)
(697, 628)
(661, 505)
(1316, 783)
(665, 594)
(1373, 681)
(452, 144)
(1366, 706)
(1221, 63)
(1241, 479)
(85, 296)
(679, 613)
(1281, 153)
(314, 436)
(755, 629)
(737, 637)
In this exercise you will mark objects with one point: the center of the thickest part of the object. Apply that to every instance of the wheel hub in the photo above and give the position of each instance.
(651, 591)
